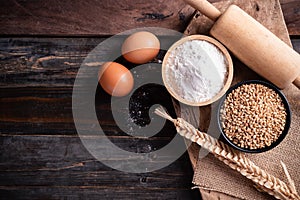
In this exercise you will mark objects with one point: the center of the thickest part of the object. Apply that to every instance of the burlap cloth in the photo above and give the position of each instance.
(212, 174)
(214, 178)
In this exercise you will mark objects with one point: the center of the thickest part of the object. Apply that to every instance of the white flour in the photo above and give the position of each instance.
(196, 70)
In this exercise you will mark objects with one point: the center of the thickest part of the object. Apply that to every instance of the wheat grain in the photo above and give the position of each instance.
(235, 160)
(259, 109)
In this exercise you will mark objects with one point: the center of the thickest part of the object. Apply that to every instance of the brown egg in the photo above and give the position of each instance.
(115, 79)
(140, 47)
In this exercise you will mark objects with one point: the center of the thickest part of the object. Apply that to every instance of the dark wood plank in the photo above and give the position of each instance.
(37, 77)
(38, 159)
(28, 61)
(93, 192)
(38, 100)
(93, 17)
(43, 62)
(41, 155)
(296, 44)
(36, 97)
(291, 12)
(48, 167)
(90, 17)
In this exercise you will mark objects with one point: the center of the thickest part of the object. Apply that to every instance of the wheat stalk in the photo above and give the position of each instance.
(235, 160)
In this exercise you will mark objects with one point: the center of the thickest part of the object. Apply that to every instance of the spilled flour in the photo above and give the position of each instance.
(196, 70)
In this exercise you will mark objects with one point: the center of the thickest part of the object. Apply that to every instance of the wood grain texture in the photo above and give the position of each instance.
(41, 155)
(89, 17)
(59, 167)
(103, 17)
(291, 12)
(32, 61)
(42, 158)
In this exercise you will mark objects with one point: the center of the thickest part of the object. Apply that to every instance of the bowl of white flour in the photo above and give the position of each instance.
(197, 70)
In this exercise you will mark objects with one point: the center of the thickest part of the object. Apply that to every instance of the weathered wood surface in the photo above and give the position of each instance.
(291, 12)
(41, 155)
(105, 17)
(59, 167)
(46, 62)
(90, 17)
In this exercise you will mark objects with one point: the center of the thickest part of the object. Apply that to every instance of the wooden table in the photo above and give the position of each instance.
(42, 45)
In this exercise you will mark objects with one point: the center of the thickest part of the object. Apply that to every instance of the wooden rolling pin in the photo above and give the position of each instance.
(253, 44)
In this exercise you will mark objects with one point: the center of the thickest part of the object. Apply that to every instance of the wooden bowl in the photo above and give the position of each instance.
(228, 78)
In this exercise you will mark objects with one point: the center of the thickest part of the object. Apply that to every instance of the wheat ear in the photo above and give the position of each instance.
(235, 160)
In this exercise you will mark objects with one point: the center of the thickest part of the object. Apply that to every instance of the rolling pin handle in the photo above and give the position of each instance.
(297, 82)
(205, 8)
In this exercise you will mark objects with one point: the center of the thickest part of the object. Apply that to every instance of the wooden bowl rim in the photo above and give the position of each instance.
(229, 69)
